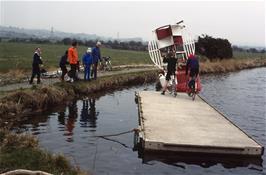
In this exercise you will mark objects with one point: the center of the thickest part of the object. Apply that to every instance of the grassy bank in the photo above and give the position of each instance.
(23, 152)
(16, 105)
(230, 65)
(19, 55)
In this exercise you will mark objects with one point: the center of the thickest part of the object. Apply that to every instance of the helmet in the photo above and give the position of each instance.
(98, 43)
(190, 56)
(89, 50)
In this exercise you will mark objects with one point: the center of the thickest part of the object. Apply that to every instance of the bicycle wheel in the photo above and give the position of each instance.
(173, 89)
(193, 95)
(109, 66)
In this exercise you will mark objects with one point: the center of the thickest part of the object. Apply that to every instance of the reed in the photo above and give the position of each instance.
(230, 65)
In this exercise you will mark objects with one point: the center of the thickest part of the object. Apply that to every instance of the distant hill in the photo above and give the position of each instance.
(16, 32)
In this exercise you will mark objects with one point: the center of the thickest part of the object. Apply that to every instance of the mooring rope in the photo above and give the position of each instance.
(116, 141)
(121, 133)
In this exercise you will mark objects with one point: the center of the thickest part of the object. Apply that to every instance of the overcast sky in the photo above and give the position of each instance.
(241, 22)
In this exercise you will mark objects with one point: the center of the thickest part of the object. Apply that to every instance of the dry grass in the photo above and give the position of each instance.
(16, 73)
(32, 100)
(21, 151)
(13, 76)
(10, 141)
(230, 65)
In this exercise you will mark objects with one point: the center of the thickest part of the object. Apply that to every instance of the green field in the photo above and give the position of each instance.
(247, 55)
(19, 55)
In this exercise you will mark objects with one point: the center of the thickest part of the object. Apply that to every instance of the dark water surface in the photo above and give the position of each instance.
(241, 96)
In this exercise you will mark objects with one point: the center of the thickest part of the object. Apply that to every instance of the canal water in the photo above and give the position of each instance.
(71, 130)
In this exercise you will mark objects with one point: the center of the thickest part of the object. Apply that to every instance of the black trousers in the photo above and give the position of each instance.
(64, 71)
(73, 71)
(94, 70)
(194, 72)
(36, 71)
(168, 75)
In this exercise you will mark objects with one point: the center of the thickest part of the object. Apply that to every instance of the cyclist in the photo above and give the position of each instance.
(171, 68)
(193, 66)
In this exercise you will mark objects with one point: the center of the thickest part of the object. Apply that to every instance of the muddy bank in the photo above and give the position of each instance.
(22, 103)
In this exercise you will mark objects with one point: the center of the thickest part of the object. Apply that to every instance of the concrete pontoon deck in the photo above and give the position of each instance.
(180, 124)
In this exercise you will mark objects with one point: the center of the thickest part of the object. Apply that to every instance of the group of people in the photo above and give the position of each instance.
(89, 60)
(192, 65)
(93, 55)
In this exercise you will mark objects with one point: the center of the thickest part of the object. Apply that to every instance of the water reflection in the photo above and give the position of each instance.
(88, 117)
(88, 114)
(70, 121)
(61, 117)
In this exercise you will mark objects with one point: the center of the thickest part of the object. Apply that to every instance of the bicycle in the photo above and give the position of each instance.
(192, 86)
(173, 83)
(171, 86)
(105, 64)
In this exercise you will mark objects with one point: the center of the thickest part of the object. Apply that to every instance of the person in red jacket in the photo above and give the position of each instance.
(73, 61)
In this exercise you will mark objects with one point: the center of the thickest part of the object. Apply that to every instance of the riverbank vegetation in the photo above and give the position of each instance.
(218, 56)
(21, 151)
(21, 103)
(230, 65)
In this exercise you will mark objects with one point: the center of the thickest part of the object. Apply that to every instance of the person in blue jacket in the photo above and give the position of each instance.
(87, 61)
(36, 62)
(96, 56)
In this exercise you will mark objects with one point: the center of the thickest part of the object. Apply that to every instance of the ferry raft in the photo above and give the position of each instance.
(183, 125)
(178, 123)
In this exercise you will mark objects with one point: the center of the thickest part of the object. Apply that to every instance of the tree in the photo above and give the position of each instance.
(214, 47)
(67, 41)
(253, 50)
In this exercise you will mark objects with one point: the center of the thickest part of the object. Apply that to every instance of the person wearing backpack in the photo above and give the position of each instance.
(62, 64)
(87, 61)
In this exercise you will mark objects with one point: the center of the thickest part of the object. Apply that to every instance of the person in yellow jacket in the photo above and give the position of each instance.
(73, 61)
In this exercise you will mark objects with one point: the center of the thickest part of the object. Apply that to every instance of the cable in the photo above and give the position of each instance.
(121, 133)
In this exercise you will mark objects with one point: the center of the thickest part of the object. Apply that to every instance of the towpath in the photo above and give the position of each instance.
(48, 81)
